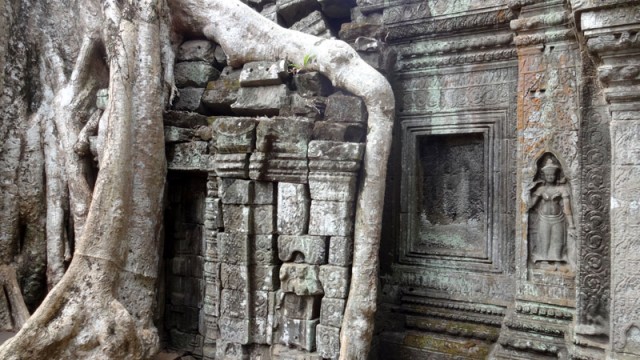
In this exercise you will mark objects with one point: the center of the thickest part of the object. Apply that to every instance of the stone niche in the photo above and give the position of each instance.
(449, 206)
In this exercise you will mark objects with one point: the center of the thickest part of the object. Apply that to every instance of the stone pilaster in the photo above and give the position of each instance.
(548, 137)
(611, 33)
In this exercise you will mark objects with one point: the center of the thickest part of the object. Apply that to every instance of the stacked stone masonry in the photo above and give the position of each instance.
(277, 153)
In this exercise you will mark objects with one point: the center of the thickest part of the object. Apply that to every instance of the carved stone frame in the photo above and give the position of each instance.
(492, 125)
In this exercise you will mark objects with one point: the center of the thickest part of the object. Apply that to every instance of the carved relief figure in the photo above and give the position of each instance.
(551, 200)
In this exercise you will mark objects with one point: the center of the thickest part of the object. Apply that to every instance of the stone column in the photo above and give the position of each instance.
(548, 142)
(611, 33)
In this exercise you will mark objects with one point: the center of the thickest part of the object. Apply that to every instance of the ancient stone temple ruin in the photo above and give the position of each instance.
(512, 204)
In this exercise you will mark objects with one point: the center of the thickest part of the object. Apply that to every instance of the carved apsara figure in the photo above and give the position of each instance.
(552, 200)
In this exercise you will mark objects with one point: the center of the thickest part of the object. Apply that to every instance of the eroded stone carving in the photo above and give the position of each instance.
(552, 217)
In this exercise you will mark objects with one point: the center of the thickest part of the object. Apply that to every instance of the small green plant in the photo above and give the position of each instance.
(296, 68)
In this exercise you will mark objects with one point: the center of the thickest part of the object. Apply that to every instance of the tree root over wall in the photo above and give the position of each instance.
(102, 307)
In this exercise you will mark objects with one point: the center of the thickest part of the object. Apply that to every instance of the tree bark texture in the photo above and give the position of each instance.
(102, 307)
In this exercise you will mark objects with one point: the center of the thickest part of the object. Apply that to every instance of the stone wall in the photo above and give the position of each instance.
(512, 188)
(263, 166)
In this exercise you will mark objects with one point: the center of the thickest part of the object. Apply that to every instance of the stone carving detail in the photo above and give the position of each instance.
(551, 216)
(594, 274)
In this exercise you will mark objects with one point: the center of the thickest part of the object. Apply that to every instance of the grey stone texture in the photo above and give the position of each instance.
(302, 248)
(301, 279)
(314, 24)
(335, 281)
(312, 84)
(328, 341)
(331, 218)
(220, 94)
(331, 311)
(260, 101)
(264, 250)
(236, 191)
(345, 108)
(301, 333)
(238, 219)
(293, 208)
(264, 73)
(340, 250)
(301, 307)
(194, 74)
(189, 99)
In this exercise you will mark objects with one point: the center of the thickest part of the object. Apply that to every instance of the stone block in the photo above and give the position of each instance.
(292, 11)
(264, 73)
(260, 101)
(213, 213)
(279, 167)
(194, 74)
(220, 94)
(234, 135)
(301, 307)
(186, 156)
(233, 248)
(337, 9)
(335, 281)
(289, 135)
(184, 119)
(293, 208)
(345, 108)
(235, 277)
(196, 50)
(314, 24)
(264, 250)
(188, 238)
(302, 333)
(185, 291)
(174, 134)
(331, 218)
(262, 302)
(340, 250)
(229, 350)
(270, 12)
(329, 186)
(335, 151)
(220, 57)
(306, 107)
(212, 331)
(282, 352)
(232, 165)
(234, 303)
(235, 329)
(189, 99)
(303, 248)
(264, 193)
(300, 279)
(347, 132)
(186, 341)
(261, 331)
(229, 73)
(212, 270)
(264, 278)
(211, 246)
(212, 299)
(312, 84)
(264, 219)
(331, 311)
(237, 219)
(328, 342)
(235, 191)
(187, 265)
(183, 318)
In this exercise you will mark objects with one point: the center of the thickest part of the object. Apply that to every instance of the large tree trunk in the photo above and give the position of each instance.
(102, 307)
